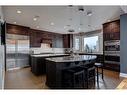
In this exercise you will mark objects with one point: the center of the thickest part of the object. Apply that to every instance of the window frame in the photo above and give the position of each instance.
(83, 50)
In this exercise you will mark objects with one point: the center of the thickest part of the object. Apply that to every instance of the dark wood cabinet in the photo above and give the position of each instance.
(111, 27)
(34, 39)
(112, 36)
(67, 40)
(111, 66)
(38, 65)
(37, 37)
(17, 29)
(111, 32)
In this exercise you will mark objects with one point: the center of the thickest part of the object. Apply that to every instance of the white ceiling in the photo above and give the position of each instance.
(60, 16)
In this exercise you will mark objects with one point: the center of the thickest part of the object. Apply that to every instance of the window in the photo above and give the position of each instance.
(77, 43)
(91, 44)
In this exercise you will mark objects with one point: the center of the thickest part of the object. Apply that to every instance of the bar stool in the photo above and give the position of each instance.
(73, 77)
(99, 65)
(89, 75)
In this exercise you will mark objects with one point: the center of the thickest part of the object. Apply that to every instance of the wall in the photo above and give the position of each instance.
(1, 14)
(123, 44)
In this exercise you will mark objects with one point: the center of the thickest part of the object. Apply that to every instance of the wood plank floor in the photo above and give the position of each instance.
(24, 79)
(123, 84)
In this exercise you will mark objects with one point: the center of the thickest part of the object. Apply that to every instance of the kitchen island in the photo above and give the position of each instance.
(38, 64)
(55, 66)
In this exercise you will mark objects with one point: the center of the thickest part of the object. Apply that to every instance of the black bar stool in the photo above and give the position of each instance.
(99, 65)
(73, 77)
(89, 76)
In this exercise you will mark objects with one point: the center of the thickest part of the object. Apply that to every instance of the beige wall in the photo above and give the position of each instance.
(1, 14)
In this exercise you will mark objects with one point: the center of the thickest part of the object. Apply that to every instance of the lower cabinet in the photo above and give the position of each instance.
(38, 65)
(113, 67)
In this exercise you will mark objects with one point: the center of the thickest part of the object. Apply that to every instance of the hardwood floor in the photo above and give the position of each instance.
(24, 79)
(123, 84)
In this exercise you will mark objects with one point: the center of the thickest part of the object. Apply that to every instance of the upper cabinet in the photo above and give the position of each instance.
(17, 29)
(67, 40)
(111, 27)
(37, 37)
(111, 30)
(57, 41)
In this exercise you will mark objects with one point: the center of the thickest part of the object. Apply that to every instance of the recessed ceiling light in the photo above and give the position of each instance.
(79, 29)
(34, 19)
(52, 23)
(89, 13)
(64, 27)
(19, 12)
(37, 27)
(108, 20)
(14, 22)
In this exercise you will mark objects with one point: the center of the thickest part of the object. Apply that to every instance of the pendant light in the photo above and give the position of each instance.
(81, 10)
(70, 19)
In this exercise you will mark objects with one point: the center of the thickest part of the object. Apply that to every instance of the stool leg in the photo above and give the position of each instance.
(74, 82)
(87, 83)
(97, 78)
(102, 74)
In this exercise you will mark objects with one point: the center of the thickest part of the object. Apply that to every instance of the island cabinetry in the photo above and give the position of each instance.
(38, 62)
(38, 65)
(55, 67)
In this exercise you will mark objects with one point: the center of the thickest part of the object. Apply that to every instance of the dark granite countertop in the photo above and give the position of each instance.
(90, 53)
(72, 58)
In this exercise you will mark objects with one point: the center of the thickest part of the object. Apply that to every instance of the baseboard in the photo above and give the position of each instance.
(123, 75)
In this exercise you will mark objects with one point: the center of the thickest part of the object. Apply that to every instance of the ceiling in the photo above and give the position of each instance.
(60, 19)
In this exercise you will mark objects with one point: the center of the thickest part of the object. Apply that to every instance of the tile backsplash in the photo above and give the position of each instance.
(46, 50)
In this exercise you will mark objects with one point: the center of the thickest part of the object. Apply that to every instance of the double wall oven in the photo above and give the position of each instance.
(112, 54)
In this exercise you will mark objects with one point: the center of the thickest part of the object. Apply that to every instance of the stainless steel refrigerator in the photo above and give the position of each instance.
(2, 54)
(17, 51)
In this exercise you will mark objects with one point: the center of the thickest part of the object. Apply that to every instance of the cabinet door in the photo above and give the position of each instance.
(107, 28)
(106, 36)
(66, 41)
(111, 36)
(116, 36)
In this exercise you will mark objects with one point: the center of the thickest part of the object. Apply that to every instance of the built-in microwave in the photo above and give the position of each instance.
(113, 45)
